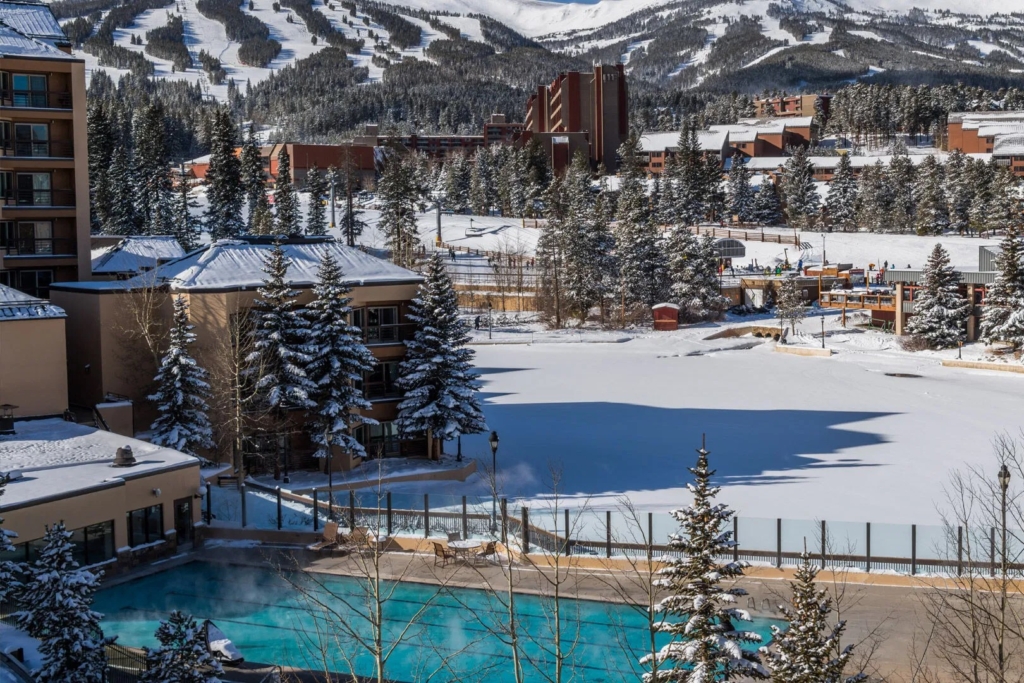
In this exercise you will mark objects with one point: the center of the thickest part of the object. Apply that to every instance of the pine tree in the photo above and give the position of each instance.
(151, 169)
(397, 195)
(1003, 209)
(980, 177)
(252, 177)
(262, 222)
(8, 570)
(316, 220)
(958, 192)
(57, 599)
(940, 313)
(182, 391)
(681, 252)
(699, 292)
(641, 261)
(436, 376)
(1003, 319)
(930, 198)
(741, 194)
(706, 646)
(185, 226)
(183, 656)
(457, 181)
(874, 199)
(585, 242)
(339, 359)
(481, 182)
(101, 153)
(790, 306)
(286, 199)
(900, 181)
(808, 650)
(352, 224)
(689, 177)
(766, 204)
(799, 191)
(121, 215)
(841, 203)
(281, 340)
(223, 217)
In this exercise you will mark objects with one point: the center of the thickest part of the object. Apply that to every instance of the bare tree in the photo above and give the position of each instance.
(141, 328)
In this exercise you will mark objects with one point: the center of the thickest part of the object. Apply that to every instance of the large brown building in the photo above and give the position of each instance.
(593, 103)
(999, 133)
(107, 353)
(793, 105)
(44, 177)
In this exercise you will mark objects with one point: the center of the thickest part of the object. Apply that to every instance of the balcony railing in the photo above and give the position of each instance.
(378, 390)
(39, 247)
(40, 199)
(64, 149)
(35, 99)
(388, 334)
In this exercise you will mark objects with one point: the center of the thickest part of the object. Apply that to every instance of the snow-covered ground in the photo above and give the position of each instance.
(793, 437)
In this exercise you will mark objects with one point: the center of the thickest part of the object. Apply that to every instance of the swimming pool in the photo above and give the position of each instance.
(268, 622)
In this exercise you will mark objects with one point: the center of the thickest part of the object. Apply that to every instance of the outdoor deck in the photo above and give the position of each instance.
(870, 302)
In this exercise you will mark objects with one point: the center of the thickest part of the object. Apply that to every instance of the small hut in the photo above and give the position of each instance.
(666, 317)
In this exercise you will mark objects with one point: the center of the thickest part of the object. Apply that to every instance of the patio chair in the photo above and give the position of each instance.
(489, 552)
(329, 540)
(454, 537)
(443, 555)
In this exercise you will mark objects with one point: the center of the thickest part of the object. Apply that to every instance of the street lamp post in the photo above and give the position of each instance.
(1004, 483)
(458, 458)
(822, 331)
(494, 473)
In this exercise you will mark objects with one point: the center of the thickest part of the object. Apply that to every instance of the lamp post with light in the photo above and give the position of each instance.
(493, 440)
(822, 331)
(1004, 484)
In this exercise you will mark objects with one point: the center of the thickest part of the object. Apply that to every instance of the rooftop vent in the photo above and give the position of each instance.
(124, 457)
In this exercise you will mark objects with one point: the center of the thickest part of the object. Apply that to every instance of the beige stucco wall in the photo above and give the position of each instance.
(33, 366)
(79, 127)
(109, 504)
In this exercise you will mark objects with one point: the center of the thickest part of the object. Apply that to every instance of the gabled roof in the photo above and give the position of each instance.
(229, 265)
(710, 141)
(29, 29)
(14, 44)
(136, 254)
(16, 305)
(1009, 145)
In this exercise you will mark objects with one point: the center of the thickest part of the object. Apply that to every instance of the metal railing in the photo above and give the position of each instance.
(36, 99)
(388, 334)
(40, 198)
(51, 149)
(40, 247)
(880, 302)
(378, 390)
(124, 664)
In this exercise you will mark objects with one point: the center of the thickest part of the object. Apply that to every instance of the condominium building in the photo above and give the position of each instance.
(44, 178)
(793, 105)
(999, 133)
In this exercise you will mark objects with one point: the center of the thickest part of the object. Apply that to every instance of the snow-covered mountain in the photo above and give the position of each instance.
(727, 44)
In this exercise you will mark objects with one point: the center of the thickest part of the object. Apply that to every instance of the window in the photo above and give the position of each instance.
(380, 439)
(381, 325)
(31, 140)
(99, 542)
(145, 525)
(6, 185)
(92, 545)
(35, 282)
(34, 189)
(26, 237)
(29, 90)
(380, 382)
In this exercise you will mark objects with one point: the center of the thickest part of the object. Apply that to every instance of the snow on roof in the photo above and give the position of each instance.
(991, 130)
(710, 141)
(31, 19)
(14, 44)
(136, 254)
(238, 264)
(974, 119)
(1012, 144)
(15, 304)
(56, 457)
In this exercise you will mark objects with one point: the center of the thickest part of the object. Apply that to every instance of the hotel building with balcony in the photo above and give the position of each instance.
(44, 177)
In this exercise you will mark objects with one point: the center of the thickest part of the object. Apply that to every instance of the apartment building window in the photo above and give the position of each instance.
(34, 189)
(378, 323)
(381, 381)
(35, 282)
(31, 140)
(29, 90)
(26, 237)
(380, 439)
(92, 544)
(145, 525)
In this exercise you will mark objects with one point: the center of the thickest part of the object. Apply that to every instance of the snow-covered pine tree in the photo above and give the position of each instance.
(790, 306)
(223, 216)
(252, 177)
(874, 199)
(766, 204)
(457, 181)
(1003, 207)
(181, 392)
(281, 340)
(958, 192)
(263, 217)
(101, 152)
(809, 648)
(56, 601)
(713, 187)
(681, 253)
(706, 646)
(121, 214)
(316, 218)
(582, 253)
(397, 194)
(641, 261)
(185, 226)
(900, 180)
(1003, 319)
(689, 177)
(700, 295)
(798, 189)
(932, 216)
(151, 169)
(8, 570)
(741, 194)
(980, 177)
(436, 376)
(841, 202)
(481, 182)
(286, 199)
(183, 656)
(339, 359)
(940, 313)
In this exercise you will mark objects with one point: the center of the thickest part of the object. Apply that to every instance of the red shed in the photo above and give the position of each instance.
(666, 317)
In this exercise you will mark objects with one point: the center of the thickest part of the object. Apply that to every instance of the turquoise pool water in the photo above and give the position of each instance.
(269, 623)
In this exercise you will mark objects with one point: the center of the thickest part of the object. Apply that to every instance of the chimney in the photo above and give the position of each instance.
(124, 457)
